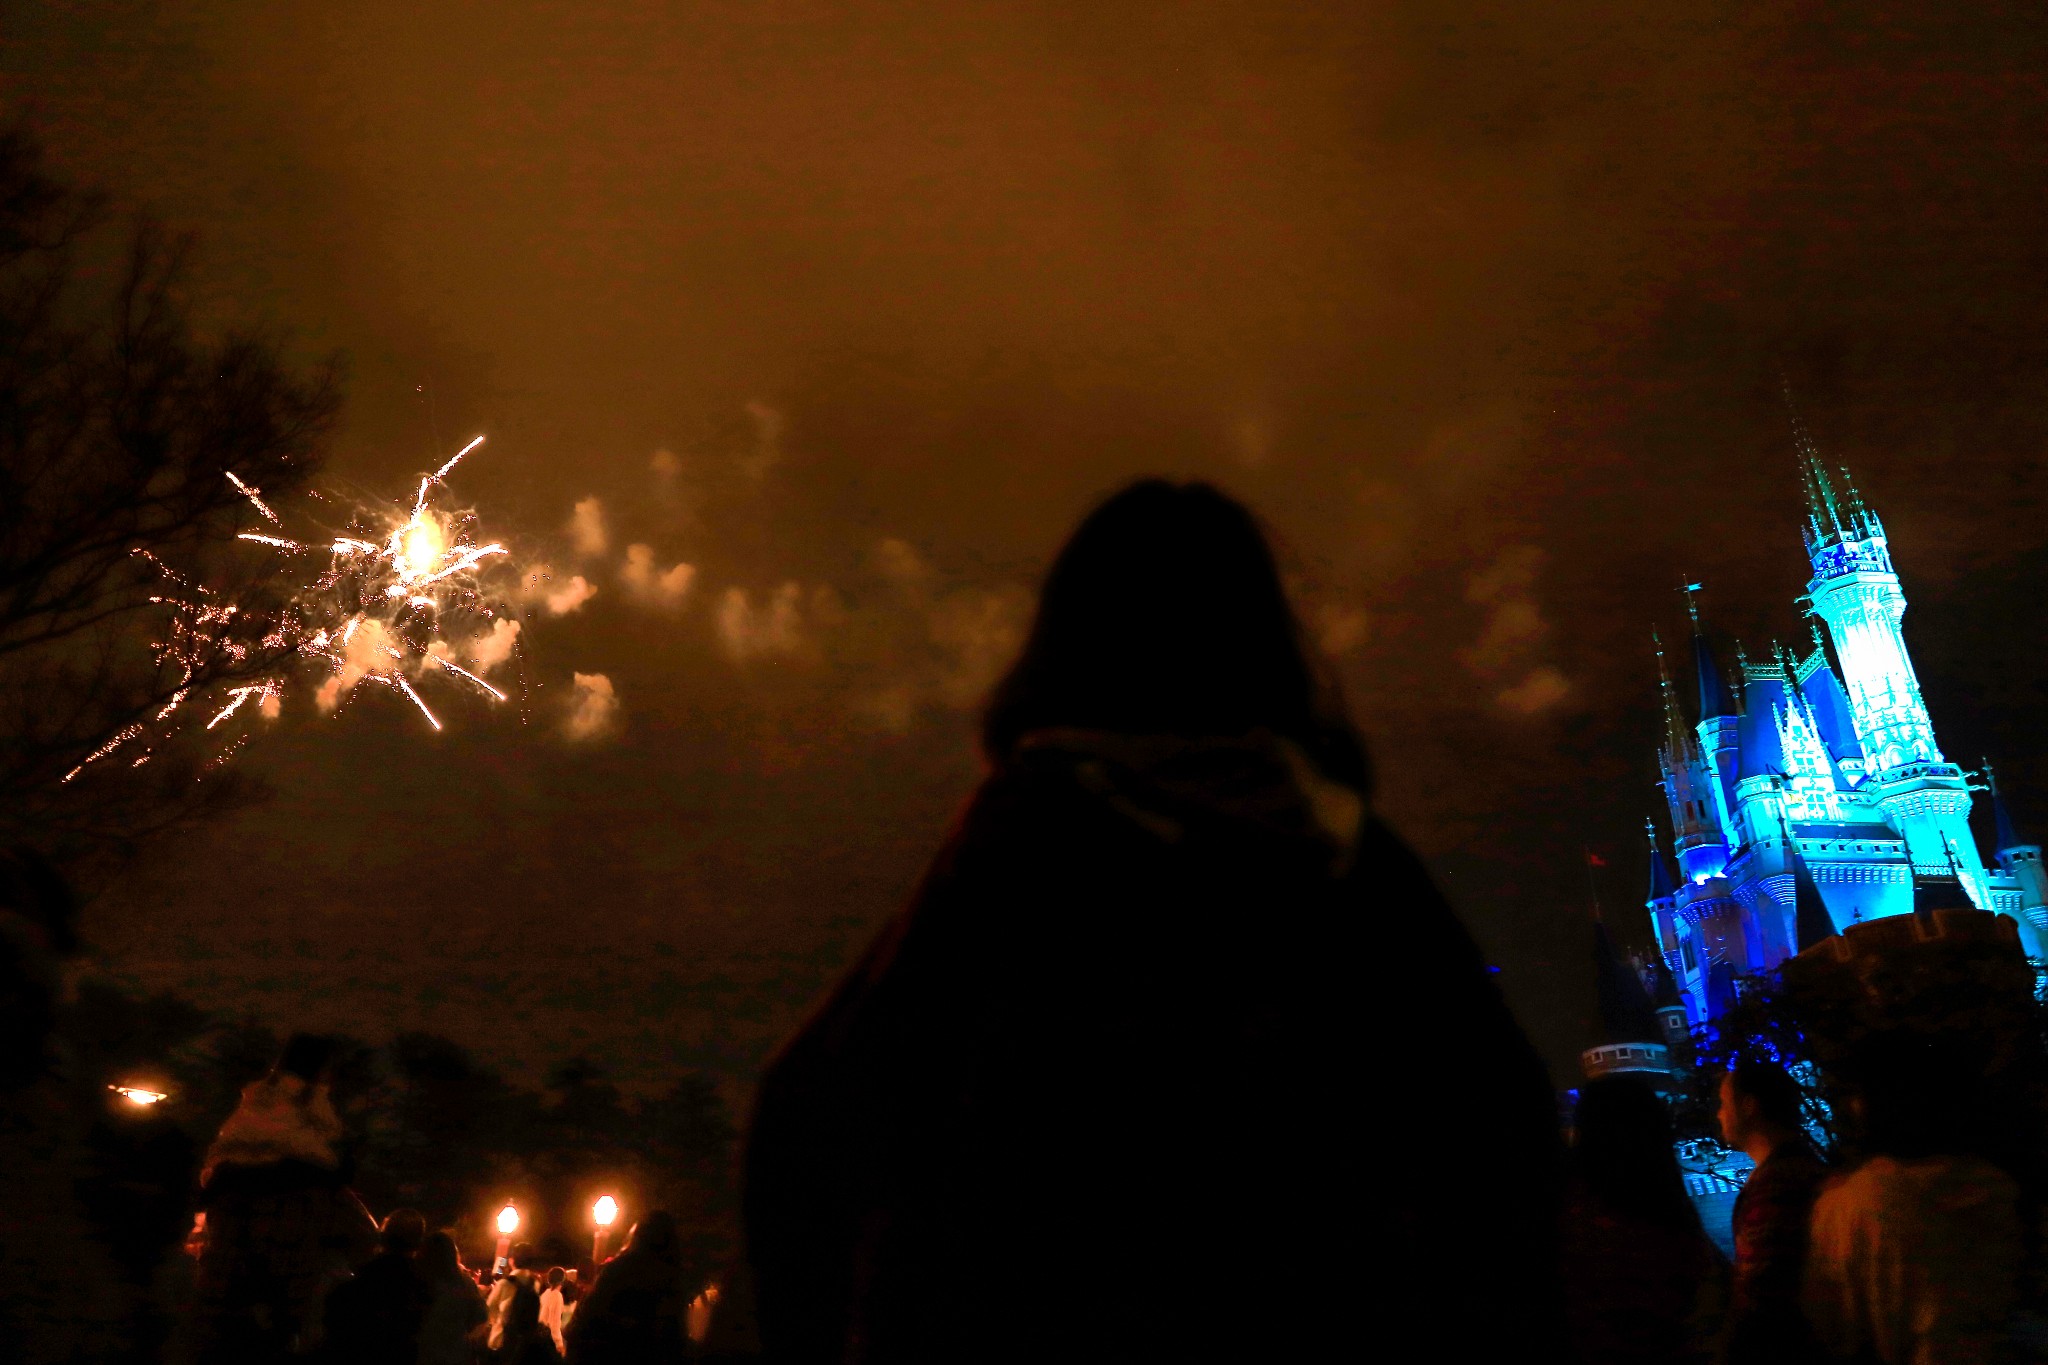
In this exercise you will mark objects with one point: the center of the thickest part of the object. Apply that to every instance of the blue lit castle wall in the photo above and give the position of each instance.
(1810, 794)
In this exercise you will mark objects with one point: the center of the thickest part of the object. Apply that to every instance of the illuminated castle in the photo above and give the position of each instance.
(1810, 793)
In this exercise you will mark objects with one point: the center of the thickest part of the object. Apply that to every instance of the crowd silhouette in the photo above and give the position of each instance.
(1177, 1053)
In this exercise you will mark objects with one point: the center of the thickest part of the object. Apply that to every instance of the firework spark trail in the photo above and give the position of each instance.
(442, 473)
(280, 543)
(116, 742)
(456, 668)
(254, 495)
(239, 695)
(469, 561)
(398, 681)
(456, 459)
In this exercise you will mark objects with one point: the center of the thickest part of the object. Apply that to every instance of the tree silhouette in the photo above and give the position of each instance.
(120, 426)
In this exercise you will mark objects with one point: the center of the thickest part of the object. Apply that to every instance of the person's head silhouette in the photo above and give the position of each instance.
(1165, 615)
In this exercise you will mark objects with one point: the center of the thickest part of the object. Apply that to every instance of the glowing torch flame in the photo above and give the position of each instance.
(508, 1221)
(605, 1210)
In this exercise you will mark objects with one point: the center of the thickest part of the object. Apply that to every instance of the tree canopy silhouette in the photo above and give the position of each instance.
(121, 422)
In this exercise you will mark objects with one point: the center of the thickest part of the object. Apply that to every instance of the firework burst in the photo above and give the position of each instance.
(404, 594)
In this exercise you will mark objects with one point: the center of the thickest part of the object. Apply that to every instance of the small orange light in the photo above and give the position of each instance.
(137, 1095)
(508, 1221)
(605, 1210)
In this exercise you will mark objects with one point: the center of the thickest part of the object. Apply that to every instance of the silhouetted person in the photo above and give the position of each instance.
(1173, 1024)
(1640, 1272)
(375, 1317)
(1761, 1115)
(63, 1296)
(552, 1304)
(1917, 1252)
(525, 1341)
(282, 1226)
(452, 1332)
(519, 1273)
(636, 1310)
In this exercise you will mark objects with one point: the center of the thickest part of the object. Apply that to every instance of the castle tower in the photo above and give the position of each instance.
(1628, 1038)
(1856, 593)
(1719, 722)
(1697, 832)
(1671, 1011)
(1663, 887)
(2021, 860)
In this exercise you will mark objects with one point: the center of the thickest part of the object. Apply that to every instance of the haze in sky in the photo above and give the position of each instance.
(803, 333)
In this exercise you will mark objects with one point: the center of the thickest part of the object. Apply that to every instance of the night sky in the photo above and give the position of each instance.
(855, 310)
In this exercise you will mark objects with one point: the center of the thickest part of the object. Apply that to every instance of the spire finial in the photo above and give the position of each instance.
(1675, 740)
(1824, 509)
(1692, 600)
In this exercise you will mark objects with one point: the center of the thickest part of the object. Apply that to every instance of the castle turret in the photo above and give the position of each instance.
(1663, 886)
(1628, 1038)
(1670, 1007)
(1856, 593)
(2021, 860)
(1698, 836)
(1719, 719)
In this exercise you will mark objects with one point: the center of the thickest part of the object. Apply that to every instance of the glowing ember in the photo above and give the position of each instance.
(136, 1095)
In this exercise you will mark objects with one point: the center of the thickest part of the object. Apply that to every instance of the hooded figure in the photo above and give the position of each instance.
(636, 1313)
(282, 1226)
(1177, 1051)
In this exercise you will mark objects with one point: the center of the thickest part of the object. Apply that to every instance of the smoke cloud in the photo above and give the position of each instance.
(767, 449)
(663, 587)
(774, 629)
(1511, 643)
(369, 647)
(1544, 689)
(482, 653)
(571, 595)
(559, 599)
(593, 707)
(587, 529)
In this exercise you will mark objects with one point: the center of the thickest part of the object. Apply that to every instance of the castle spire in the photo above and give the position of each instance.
(1824, 513)
(1713, 696)
(1677, 739)
(1662, 884)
